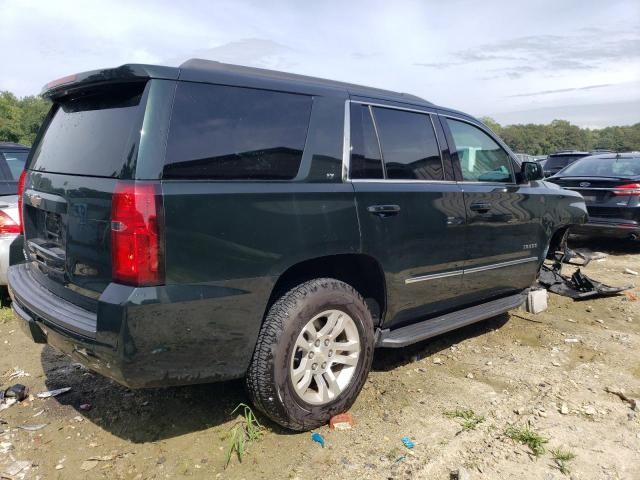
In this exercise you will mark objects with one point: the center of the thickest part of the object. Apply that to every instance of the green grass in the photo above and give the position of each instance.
(245, 430)
(6, 315)
(468, 418)
(562, 458)
(528, 437)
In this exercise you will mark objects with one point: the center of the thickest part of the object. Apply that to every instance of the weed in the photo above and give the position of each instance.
(561, 458)
(393, 454)
(468, 418)
(528, 437)
(246, 430)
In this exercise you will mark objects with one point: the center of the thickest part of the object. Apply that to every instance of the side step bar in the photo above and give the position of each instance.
(401, 337)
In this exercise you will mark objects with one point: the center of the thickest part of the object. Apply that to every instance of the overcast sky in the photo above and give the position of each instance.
(516, 61)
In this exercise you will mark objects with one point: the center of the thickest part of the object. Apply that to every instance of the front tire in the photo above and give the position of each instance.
(313, 354)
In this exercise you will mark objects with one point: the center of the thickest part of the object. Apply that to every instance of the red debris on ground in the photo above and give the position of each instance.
(342, 421)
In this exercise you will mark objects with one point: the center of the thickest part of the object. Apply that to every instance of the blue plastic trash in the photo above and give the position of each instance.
(316, 437)
(407, 442)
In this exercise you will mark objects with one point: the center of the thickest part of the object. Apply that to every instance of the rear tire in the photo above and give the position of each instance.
(313, 354)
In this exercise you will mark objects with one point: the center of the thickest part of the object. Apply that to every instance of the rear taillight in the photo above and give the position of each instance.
(8, 225)
(21, 181)
(136, 246)
(629, 189)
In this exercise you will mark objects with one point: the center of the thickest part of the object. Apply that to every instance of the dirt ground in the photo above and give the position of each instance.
(547, 372)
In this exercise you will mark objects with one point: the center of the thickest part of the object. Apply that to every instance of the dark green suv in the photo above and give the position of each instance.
(211, 222)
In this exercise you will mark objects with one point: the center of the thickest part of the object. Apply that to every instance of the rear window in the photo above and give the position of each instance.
(94, 133)
(604, 167)
(561, 161)
(14, 163)
(231, 133)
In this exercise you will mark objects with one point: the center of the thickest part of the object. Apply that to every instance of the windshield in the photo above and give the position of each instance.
(95, 133)
(604, 167)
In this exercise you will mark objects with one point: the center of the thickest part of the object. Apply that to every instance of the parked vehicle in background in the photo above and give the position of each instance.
(524, 157)
(12, 160)
(13, 157)
(557, 161)
(209, 222)
(610, 186)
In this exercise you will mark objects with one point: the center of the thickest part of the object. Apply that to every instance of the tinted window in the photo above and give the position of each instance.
(15, 163)
(95, 133)
(561, 161)
(604, 167)
(409, 147)
(220, 132)
(366, 161)
(481, 158)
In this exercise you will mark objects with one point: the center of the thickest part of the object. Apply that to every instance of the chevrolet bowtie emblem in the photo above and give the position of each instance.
(35, 200)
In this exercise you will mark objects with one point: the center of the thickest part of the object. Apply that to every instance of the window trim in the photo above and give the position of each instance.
(346, 148)
(375, 129)
(491, 136)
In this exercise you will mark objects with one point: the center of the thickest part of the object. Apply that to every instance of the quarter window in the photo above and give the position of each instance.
(481, 158)
(409, 147)
(230, 133)
(366, 161)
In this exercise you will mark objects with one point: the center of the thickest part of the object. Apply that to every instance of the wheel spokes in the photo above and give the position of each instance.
(348, 346)
(334, 325)
(345, 360)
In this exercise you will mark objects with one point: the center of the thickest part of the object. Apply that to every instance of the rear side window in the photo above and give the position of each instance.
(15, 162)
(409, 147)
(94, 133)
(230, 133)
(366, 161)
(481, 158)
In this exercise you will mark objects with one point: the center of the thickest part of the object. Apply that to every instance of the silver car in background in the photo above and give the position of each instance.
(9, 231)
(12, 160)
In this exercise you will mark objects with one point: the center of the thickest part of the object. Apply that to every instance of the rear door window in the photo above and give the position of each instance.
(366, 161)
(94, 133)
(231, 133)
(409, 146)
(481, 158)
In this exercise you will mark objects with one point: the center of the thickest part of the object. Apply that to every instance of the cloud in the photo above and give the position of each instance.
(246, 51)
(584, 49)
(562, 90)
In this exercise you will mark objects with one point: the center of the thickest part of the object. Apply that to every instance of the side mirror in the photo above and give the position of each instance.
(531, 171)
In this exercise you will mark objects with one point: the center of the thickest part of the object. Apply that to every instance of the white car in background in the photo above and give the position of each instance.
(12, 160)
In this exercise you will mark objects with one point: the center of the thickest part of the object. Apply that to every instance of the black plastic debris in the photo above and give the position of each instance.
(578, 286)
(17, 391)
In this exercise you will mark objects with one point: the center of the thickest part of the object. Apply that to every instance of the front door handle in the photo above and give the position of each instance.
(480, 207)
(384, 210)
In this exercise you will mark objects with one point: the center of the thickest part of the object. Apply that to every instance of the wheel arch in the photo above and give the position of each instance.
(361, 271)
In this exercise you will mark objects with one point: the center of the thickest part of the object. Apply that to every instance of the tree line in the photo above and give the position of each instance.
(562, 135)
(20, 119)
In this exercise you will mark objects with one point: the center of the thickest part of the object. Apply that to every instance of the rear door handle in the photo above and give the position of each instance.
(480, 207)
(384, 210)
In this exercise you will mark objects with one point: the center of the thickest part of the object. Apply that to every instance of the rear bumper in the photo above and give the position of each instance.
(141, 337)
(620, 228)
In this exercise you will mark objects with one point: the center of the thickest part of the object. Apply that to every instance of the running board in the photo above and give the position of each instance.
(401, 337)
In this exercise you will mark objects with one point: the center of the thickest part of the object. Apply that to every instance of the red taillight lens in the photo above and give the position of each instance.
(8, 225)
(629, 189)
(21, 181)
(136, 251)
